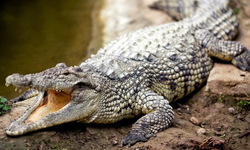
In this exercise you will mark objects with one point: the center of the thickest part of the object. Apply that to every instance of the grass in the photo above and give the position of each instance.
(243, 105)
(221, 98)
(4, 107)
(236, 11)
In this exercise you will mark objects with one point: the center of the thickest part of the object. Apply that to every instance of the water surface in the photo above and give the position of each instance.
(36, 35)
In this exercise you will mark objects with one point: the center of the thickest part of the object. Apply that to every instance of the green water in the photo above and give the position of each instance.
(38, 34)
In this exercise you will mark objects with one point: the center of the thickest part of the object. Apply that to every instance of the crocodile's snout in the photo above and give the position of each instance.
(18, 80)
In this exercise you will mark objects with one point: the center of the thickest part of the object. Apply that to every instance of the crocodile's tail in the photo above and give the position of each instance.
(214, 15)
(177, 9)
(180, 9)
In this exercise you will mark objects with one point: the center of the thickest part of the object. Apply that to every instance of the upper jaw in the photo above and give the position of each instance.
(21, 81)
(18, 80)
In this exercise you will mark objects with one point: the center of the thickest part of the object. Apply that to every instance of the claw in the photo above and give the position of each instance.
(134, 137)
(243, 60)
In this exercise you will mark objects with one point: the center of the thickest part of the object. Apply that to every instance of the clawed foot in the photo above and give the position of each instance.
(135, 136)
(243, 60)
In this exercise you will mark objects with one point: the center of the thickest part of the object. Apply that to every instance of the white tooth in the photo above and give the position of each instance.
(20, 90)
(7, 84)
(16, 89)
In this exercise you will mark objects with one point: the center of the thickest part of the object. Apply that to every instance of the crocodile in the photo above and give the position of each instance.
(137, 75)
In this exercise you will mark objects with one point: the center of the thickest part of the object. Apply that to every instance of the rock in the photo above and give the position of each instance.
(179, 113)
(219, 133)
(113, 139)
(92, 130)
(240, 117)
(195, 121)
(181, 142)
(228, 80)
(201, 131)
(186, 107)
(231, 110)
(114, 142)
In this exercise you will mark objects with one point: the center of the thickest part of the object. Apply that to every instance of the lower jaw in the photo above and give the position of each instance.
(52, 101)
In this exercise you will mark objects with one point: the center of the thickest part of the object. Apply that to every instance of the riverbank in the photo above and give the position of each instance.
(216, 118)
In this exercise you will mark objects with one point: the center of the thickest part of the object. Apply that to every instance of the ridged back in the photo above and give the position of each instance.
(129, 52)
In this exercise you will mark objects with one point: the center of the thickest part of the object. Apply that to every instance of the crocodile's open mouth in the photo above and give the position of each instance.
(53, 107)
(47, 103)
(51, 101)
(63, 94)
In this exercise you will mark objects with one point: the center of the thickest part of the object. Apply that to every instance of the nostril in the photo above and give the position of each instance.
(75, 69)
(14, 77)
(18, 80)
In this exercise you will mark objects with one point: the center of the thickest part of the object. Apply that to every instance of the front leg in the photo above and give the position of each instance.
(159, 116)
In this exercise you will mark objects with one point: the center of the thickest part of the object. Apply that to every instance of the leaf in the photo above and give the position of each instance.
(1, 106)
(222, 136)
(6, 107)
(236, 11)
(2, 100)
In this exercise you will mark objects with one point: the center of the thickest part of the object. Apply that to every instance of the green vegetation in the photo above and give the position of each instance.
(3, 106)
(52, 145)
(222, 136)
(236, 11)
(221, 97)
(243, 105)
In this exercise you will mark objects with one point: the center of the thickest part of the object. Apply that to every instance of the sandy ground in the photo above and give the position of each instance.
(215, 124)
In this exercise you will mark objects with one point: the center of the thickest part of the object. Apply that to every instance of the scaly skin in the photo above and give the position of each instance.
(138, 74)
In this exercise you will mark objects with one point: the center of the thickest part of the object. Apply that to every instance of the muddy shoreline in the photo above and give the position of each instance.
(210, 109)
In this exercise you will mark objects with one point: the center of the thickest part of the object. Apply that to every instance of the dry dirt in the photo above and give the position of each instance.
(219, 126)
